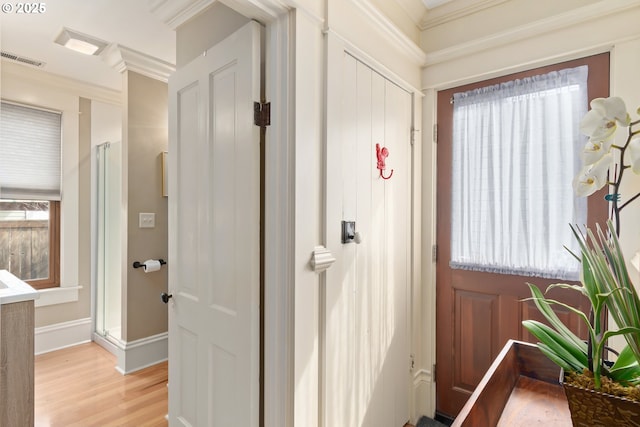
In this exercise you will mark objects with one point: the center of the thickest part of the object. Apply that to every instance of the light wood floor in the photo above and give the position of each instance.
(79, 387)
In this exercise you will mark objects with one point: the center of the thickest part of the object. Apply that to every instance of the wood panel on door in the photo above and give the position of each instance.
(366, 366)
(478, 312)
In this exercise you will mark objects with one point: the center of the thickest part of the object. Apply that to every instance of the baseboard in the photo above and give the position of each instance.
(145, 352)
(423, 394)
(109, 344)
(62, 335)
(135, 355)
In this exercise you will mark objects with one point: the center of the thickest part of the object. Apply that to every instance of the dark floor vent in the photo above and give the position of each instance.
(22, 59)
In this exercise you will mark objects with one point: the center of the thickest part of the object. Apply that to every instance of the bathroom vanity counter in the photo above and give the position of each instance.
(14, 290)
(16, 351)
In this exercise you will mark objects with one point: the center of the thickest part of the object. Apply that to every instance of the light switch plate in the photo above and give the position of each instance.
(146, 220)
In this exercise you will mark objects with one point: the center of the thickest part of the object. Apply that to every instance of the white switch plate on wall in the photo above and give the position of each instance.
(146, 220)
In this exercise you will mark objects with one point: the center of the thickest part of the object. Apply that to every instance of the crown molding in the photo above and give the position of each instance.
(263, 10)
(415, 9)
(533, 29)
(176, 12)
(455, 10)
(392, 32)
(39, 76)
(122, 58)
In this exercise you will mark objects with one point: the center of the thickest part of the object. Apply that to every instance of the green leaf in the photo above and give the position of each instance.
(580, 314)
(555, 358)
(577, 288)
(621, 331)
(545, 309)
(607, 284)
(625, 358)
(561, 347)
(626, 375)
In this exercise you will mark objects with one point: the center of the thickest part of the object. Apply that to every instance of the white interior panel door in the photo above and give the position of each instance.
(366, 369)
(214, 253)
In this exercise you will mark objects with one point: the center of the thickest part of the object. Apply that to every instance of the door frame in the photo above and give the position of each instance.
(598, 86)
(445, 77)
(277, 360)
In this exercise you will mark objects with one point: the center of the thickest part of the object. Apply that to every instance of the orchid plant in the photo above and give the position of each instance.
(605, 282)
(600, 167)
(604, 277)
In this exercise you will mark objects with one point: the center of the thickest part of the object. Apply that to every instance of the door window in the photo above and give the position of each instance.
(515, 153)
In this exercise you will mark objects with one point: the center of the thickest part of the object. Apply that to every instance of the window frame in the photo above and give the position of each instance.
(53, 281)
(38, 90)
(54, 277)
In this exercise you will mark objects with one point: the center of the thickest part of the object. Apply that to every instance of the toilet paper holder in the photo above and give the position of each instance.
(138, 264)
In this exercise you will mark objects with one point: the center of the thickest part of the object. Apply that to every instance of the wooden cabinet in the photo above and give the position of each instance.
(16, 364)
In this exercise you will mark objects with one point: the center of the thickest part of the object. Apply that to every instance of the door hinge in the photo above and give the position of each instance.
(434, 374)
(435, 133)
(434, 253)
(262, 114)
(413, 135)
(412, 362)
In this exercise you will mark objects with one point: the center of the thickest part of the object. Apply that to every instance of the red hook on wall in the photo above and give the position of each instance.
(382, 154)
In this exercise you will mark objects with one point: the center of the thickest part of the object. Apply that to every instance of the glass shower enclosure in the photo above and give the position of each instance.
(108, 303)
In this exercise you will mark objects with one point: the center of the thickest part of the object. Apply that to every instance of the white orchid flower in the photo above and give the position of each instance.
(634, 154)
(601, 121)
(592, 177)
(595, 150)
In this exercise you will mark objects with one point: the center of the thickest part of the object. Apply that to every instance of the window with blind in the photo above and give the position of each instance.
(30, 177)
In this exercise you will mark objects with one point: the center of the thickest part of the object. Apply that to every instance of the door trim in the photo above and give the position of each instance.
(279, 218)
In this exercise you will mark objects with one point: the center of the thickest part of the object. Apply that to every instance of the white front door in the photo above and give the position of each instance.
(366, 310)
(214, 246)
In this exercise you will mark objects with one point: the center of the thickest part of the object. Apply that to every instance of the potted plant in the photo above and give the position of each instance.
(600, 392)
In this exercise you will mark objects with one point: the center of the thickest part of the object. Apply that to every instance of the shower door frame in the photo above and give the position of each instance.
(100, 323)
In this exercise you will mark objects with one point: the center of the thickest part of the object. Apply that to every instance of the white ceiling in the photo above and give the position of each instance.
(127, 23)
(124, 22)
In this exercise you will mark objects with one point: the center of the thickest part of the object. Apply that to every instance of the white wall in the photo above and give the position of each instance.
(30, 86)
(106, 123)
(625, 62)
(205, 30)
(361, 25)
(465, 50)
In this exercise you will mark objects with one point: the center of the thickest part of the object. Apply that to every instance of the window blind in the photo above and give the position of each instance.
(30, 144)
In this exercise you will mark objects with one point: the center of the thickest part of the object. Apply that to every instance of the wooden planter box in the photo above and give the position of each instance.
(521, 388)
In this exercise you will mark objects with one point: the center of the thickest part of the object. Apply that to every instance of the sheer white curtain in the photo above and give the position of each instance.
(516, 150)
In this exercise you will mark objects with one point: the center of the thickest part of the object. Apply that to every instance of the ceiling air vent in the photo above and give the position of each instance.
(22, 59)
